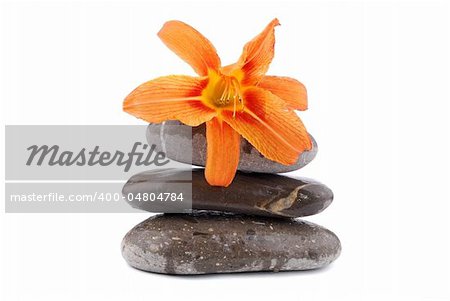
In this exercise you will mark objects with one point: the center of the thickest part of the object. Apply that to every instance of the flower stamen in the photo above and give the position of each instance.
(223, 92)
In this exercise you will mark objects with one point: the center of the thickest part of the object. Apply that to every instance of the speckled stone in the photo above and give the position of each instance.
(249, 193)
(174, 139)
(203, 244)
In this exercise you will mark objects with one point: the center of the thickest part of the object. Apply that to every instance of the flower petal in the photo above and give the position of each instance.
(190, 45)
(288, 89)
(174, 97)
(275, 131)
(223, 146)
(258, 54)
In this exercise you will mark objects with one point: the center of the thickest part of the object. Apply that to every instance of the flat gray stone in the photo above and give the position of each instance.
(249, 193)
(175, 139)
(205, 243)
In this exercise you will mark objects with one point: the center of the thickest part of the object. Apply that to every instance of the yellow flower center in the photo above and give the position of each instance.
(223, 92)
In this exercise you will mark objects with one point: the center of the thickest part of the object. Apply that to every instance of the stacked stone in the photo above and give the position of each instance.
(252, 225)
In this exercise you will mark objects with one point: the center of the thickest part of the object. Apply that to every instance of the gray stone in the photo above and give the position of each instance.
(175, 139)
(249, 193)
(205, 243)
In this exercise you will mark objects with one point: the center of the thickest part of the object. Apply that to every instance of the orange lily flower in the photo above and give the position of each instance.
(235, 100)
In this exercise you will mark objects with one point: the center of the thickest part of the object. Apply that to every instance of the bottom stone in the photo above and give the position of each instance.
(205, 243)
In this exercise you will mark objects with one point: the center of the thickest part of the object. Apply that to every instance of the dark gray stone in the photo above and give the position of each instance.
(249, 193)
(174, 139)
(205, 243)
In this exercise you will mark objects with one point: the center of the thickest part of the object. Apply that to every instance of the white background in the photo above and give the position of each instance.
(378, 78)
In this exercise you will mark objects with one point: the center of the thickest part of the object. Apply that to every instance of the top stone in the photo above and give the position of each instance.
(175, 139)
